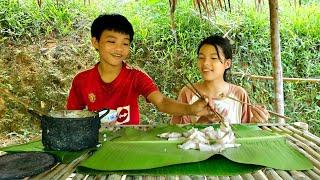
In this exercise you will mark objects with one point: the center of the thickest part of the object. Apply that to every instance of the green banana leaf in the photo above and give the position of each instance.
(270, 151)
(134, 155)
(216, 165)
(136, 150)
(36, 146)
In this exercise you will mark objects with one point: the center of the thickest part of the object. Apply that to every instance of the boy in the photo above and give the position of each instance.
(113, 84)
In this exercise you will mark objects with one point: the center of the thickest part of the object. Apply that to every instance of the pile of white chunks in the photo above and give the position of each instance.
(221, 138)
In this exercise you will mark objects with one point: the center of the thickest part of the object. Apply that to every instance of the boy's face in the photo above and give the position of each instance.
(113, 47)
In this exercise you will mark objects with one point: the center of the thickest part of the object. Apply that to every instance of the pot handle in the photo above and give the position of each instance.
(104, 114)
(35, 114)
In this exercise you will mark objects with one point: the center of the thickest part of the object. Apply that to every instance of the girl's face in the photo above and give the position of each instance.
(209, 64)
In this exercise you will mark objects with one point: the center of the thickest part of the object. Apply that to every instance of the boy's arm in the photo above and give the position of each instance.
(183, 98)
(170, 106)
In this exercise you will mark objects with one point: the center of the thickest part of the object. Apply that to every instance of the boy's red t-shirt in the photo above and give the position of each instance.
(89, 91)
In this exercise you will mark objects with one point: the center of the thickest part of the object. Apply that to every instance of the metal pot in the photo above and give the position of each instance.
(70, 130)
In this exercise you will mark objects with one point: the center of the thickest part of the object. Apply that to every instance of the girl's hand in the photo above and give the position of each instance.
(218, 110)
(260, 114)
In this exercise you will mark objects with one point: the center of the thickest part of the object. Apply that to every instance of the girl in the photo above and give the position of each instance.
(214, 60)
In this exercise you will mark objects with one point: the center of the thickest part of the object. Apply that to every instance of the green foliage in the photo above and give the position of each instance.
(43, 48)
(20, 20)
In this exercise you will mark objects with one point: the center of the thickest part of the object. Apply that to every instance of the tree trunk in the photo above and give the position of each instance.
(276, 57)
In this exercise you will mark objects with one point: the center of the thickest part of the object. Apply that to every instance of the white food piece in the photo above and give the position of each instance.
(210, 132)
(197, 133)
(164, 135)
(174, 135)
(195, 139)
(188, 145)
(225, 127)
(171, 136)
(191, 131)
(206, 147)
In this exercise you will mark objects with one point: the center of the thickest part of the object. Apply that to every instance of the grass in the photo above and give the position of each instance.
(43, 48)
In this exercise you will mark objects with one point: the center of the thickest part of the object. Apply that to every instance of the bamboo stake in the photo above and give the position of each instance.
(312, 174)
(78, 176)
(69, 169)
(259, 175)
(276, 57)
(305, 134)
(276, 129)
(314, 161)
(285, 130)
(247, 176)
(236, 177)
(271, 112)
(284, 175)
(266, 128)
(304, 140)
(271, 174)
(2, 153)
(316, 170)
(53, 172)
(299, 175)
(313, 80)
(303, 145)
(44, 174)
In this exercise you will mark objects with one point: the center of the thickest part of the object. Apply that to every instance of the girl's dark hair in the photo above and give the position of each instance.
(112, 22)
(223, 43)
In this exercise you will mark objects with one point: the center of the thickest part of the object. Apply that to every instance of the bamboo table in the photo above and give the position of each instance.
(302, 140)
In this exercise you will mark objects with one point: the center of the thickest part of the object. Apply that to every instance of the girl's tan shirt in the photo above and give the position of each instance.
(237, 112)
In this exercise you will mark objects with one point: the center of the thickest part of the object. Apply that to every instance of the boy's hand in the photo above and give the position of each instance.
(260, 114)
(202, 107)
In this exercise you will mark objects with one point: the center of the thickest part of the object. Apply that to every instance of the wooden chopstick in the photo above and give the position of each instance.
(197, 93)
(271, 112)
(193, 91)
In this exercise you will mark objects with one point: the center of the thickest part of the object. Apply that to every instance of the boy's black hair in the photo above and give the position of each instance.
(223, 43)
(112, 22)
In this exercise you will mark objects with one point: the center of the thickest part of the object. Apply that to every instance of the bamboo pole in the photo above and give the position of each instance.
(236, 177)
(272, 174)
(276, 58)
(247, 176)
(259, 175)
(70, 168)
(312, 174)
(172, 4)
(303, 143)
(314, 161)
(305, 134)
(299, 175)
(302, 139)
(316, 170)
(273, 113)
(297, 80)
(45, 173)
(284, 174)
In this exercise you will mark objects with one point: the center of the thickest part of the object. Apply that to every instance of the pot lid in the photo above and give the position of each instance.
(20, 165)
